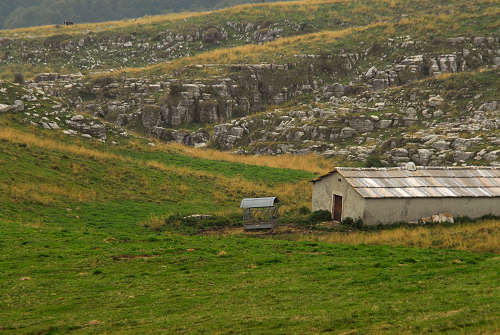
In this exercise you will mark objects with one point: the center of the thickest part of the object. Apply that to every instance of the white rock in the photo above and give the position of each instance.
(441, 145)
(435, 101)
(438, 113)
(384, 124)
(5, 108)
(54, 125)
(77, 118)
(371, 72)
(19, 106)
(491, 156)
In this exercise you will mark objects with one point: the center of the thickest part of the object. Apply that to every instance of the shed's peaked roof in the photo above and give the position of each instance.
(424, 182)
(258, 202)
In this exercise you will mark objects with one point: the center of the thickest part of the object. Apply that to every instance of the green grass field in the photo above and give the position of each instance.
(60, 278)
(76, 257)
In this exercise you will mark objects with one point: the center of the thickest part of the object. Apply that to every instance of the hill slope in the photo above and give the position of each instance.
(27, 13)
(95, 209)
(78, 254)
(45, 171)
(348, 75)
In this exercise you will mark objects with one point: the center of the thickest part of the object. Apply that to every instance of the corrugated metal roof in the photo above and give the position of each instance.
(258, 202)
(424, 182)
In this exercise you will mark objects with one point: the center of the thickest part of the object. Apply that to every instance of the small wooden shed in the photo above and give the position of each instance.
(260, 213)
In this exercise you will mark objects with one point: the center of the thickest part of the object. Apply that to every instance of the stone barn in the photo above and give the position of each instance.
(407, 194)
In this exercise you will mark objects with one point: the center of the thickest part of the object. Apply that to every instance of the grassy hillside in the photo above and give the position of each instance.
(45, 172)
(51, 48)
(95, 237)
(314, 15)
(167, 183)
(78, 256)
(371, 36)
(29, 13)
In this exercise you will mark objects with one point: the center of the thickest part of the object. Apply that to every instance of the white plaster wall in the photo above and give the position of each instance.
(404, 210)
(324, 189)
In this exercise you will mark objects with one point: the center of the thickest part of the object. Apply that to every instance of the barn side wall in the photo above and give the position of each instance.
(324, 189)
(383, 211)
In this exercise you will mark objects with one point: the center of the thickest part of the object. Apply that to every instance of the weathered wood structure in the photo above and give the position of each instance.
(260, 213)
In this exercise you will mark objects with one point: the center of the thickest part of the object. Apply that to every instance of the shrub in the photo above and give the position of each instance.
(374, 161)
(175, 89)
(320, 216)
(350, 222)
(303, 217)
(462, 219)
(19, 78)
(304, 210)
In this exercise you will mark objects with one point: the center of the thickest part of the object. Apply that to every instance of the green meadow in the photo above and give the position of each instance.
(76, 255)
(112, 276)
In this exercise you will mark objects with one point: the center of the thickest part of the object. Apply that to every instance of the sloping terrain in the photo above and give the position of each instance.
(341, 92)
(91, 47)
(74, 161)
(78, 255)
(96, 209)
(444, 120)
(27, 13)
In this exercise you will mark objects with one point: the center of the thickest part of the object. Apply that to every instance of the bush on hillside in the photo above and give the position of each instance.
(304, 210)
(320, 216)
(353, 223)
(19, 78)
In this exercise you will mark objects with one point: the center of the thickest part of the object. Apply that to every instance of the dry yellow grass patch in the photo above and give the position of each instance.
(45, 194)
(483, 236)
(50, 30)
(311, 162)
(292, 194)
(16, 136)
(251, 53)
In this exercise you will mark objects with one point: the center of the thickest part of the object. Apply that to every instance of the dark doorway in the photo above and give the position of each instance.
(337, 207)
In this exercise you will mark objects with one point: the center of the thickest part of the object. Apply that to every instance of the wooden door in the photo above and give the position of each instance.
(337, 207)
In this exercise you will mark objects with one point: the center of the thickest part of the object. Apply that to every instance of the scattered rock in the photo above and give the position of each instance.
(435, 101)
(5, 108)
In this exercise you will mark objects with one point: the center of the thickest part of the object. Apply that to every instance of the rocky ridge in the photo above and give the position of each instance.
(36, 108)
(390, 127)
(352, 111)
(98, 50)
